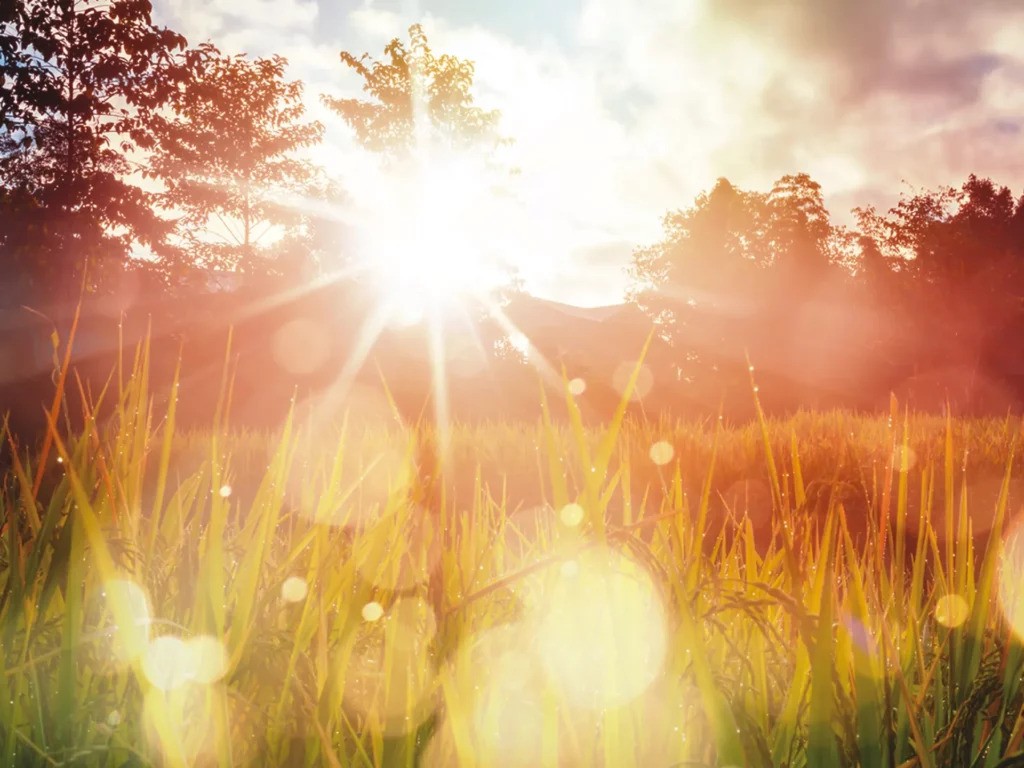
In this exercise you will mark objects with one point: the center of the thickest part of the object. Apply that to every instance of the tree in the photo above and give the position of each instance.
(228, 155)
(76, 76)
(962, 251)
(799, 229)
(702, 285)
(416, 98)
(708, 261)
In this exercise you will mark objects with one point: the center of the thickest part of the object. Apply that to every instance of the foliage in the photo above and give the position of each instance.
(799, 228)
(417, 98)
(932, 289)
(228, 153)
(712, 255)
(732, 245)
(76, 76)
(961, 250)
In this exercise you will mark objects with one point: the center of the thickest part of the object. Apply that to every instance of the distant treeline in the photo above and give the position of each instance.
(926, 299)
(171, 185)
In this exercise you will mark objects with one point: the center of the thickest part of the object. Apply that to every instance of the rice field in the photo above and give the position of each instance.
(827, 590)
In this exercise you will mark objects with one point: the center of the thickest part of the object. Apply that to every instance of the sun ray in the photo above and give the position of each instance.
(367, 335)
(545, 368)
(439, 383)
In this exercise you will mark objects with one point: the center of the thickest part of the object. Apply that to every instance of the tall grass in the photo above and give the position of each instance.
(826, 590)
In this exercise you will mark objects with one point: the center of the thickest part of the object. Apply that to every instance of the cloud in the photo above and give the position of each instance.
(861, 95)
(628, 110)
(259, 27)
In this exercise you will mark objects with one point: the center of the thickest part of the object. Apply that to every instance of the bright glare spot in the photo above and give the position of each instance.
(571, 515)
(428, 235)
(167, 663)
(1011, 579)
(601, 636)
(170, 662)
(225, 491)
(570, 569)
(577, 387)
(301, 346)
(508, 719)
(294, 589)
(207, 658)
(644, 380)
(494, 690)
(520, 342)
(904, 458)
(372, 611)
(662, 453)
(130, 608)
(60, 459)
(114, 718)
(951, 611)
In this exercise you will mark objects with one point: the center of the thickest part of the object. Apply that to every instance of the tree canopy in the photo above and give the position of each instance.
(416, 97)
(77, 77)
(228, 153)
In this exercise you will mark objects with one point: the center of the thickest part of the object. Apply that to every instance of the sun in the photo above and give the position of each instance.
(431, 239)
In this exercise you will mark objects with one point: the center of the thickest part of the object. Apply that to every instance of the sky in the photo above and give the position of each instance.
(623, 111)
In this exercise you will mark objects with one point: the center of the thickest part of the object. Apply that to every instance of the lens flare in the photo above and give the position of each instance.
(601, 635)
(493, 693)
(644, 381)
(207, 659)
(167, 663)
(372, 611)
(389, 678)
(427, 234)
(128, 604)
(294, 589)
(1011, 579)
(577, 387)
(904, 458)
(951, 611)
(571, 515)
(662, 453)
(170, 662)
(301, 347)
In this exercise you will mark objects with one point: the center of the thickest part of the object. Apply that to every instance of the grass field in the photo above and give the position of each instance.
(827, 590)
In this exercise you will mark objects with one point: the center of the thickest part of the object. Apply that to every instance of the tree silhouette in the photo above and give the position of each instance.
(229, 156)
(416, 99)
(707, 259)
(961, 257)
(75, 78)
(799, 231)
(702, 283)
